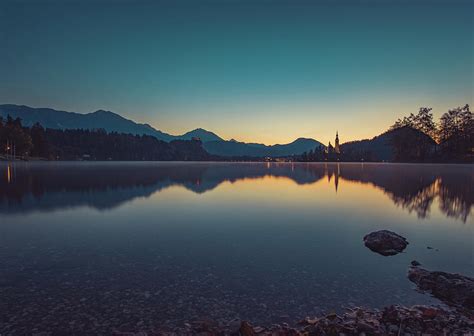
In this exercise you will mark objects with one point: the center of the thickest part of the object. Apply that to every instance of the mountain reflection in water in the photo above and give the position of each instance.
(26, 187)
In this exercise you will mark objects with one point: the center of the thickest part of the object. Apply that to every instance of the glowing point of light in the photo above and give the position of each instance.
(9, 174)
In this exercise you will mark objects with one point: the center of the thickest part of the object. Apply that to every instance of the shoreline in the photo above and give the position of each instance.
(392, 320)
(3, 159)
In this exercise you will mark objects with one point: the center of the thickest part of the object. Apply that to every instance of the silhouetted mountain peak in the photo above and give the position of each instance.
(301, 140)
(202, 134)
(113, 122)
(104, 112)
(107, 114)
(235, 148)
(55, 119)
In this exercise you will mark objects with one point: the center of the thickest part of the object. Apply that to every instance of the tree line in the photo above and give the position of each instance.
(82, 144)
(414, 138)
(417, 137)
(453, 133)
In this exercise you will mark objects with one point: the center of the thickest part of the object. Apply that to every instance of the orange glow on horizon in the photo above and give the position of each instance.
(272, 122)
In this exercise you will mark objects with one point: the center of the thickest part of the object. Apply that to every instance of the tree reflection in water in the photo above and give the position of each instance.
(51, 186)
(456, 195)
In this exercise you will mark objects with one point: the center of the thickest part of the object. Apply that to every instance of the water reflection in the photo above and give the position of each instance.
(29, 187)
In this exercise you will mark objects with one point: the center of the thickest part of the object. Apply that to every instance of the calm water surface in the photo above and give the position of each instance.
(134, 246)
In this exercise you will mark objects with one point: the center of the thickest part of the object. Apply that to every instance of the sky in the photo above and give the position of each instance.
(260, 71)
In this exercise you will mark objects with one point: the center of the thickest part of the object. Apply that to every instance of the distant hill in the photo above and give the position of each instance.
(234, 148)
(384, 146)
(202, 134)
(113, 122)
(109, 121)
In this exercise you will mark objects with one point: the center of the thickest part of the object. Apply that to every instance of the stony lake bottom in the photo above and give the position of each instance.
(128, 246)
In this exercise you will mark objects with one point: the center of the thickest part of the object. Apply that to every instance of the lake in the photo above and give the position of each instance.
(134, 246)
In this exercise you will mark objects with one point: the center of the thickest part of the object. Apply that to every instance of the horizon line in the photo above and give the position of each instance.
(198, 128)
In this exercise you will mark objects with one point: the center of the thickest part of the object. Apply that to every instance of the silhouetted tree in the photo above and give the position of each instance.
(456, 131)
(406, 121)
(423, 122)
(16, 136)
(40, 145)
(94, 144)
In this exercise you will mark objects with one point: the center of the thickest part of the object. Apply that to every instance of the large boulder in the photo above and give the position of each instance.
(453, 289)
(385, 242)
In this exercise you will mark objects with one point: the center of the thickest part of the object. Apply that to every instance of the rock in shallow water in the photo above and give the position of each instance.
(386, 243)
(453, 289)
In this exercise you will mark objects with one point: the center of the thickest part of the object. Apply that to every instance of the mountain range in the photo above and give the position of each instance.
(113, 122)
(235, 148)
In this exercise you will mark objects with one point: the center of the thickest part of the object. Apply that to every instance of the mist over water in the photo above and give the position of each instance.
(116, 244)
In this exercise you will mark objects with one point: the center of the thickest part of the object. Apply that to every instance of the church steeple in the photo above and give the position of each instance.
(336, 145)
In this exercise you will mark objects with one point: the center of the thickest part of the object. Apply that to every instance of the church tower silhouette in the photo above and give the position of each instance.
(336, 145)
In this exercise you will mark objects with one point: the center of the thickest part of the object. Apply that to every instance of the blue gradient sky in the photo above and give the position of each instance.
(265, 71)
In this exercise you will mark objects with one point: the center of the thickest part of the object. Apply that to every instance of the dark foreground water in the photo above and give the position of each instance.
(95, 247)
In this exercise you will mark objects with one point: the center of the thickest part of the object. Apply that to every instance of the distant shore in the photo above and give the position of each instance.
(256, 160)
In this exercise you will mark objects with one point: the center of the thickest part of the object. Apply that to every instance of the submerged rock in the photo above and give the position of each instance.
(453, 289)
(386, 243)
